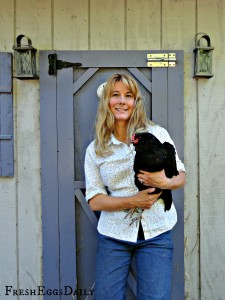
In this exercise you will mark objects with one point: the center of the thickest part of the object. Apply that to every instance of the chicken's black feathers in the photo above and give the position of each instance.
(152, 156)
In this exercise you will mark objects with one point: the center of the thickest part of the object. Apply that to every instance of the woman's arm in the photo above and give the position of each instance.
(143, 199)
(159, 180)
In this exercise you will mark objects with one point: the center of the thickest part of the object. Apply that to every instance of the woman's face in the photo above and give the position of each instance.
(121, 102)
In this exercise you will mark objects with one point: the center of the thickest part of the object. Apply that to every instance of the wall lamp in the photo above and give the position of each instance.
(25, 58)
(203, 56)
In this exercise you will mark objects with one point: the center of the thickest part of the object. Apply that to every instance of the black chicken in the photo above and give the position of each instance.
(152, 156)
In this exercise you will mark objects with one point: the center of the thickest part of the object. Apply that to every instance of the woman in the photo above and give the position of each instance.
(110, 189)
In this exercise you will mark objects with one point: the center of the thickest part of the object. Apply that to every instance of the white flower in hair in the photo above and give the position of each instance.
(100, 89)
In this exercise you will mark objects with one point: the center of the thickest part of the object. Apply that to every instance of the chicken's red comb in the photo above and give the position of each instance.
(134, 139)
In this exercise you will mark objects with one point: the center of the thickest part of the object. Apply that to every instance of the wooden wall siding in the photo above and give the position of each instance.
(72, 33)
(121, 25)
(6, 25)
(211, 99)
(32, 18)
(180, 34)
(112, 35)
(8, 202)
(143, 29)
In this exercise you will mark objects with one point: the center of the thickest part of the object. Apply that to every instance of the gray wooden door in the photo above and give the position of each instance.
(68, 108)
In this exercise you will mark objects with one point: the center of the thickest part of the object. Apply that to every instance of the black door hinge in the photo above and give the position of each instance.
(56, 64)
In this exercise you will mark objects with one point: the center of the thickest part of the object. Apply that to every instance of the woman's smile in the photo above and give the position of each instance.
(121, 109)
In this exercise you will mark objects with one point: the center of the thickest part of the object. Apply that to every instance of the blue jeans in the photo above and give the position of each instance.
(153, 259)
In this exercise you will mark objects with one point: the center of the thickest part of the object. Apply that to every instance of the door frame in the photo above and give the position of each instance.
(57, 179)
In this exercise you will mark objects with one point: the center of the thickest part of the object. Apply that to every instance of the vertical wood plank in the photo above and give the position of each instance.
(159, 95)
(34, 20)
(211, 98)
(49, 176)
(176, 130)
(178, 31)
(167, 89)
(6, 25)
(107, 23)
(8, 236)
(71, 25)
(65, 124)
(29, 198)
(8, 206)
(176, 103)
(8, 216)
(143, 25)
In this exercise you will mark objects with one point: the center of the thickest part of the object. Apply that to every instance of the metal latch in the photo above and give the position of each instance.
(56, 64)
(161, 60)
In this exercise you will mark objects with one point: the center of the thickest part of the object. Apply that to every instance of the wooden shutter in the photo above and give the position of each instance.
(6, 116)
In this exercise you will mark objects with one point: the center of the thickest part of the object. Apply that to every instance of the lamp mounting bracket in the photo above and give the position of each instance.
(56, 64)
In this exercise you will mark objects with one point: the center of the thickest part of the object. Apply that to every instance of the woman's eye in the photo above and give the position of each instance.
(115, 95)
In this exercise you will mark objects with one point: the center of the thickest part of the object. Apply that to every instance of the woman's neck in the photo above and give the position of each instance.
(120, 133)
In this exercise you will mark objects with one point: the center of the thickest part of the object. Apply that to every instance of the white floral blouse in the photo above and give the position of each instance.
(114, 175)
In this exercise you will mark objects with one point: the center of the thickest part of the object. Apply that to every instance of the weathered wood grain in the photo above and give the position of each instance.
(8, 236)
(211, 99)
(178, 31)
(34, 20)
(28, 190)
(8, 205)
(107, 27)
(6, 25)
(71, 23)
(143, 25)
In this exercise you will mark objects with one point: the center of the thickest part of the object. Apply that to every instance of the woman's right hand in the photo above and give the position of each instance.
(145, 199)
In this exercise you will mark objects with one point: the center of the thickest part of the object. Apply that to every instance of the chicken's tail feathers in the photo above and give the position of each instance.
(171, 165)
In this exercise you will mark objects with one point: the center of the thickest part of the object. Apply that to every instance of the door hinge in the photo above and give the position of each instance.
(56, 64)
(161, 60)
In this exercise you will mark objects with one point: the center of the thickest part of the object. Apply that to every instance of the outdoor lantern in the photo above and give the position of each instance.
(25, 58)
(203, 56)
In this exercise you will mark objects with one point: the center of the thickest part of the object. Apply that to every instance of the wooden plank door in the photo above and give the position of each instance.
(68, 109)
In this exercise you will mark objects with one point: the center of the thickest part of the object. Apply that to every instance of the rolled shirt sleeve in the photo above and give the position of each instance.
(93, 180)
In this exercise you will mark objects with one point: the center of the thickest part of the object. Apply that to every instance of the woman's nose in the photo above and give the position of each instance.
(122, 99)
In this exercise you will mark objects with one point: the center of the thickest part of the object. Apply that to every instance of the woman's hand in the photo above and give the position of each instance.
(154, 179)
(144, 199)
(159, 180)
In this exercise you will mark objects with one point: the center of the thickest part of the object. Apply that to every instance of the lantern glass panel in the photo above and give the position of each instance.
(204, 62)
(24, 63)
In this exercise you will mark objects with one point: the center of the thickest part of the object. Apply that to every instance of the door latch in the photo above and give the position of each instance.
(161, 60)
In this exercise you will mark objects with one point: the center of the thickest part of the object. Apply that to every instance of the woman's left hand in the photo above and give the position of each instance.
(154, 179)
(159, 180)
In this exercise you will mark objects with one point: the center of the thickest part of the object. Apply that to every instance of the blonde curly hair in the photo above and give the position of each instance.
(105, 121)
